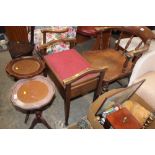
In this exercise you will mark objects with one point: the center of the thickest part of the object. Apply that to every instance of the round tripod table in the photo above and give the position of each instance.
(33, 96)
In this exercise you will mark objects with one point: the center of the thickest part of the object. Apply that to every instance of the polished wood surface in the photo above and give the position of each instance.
(25, 67)
(17, 33)
(75, 87)
(123, 119)
(94, 107)
(18, 49)
(32, 92)
(111, 59)
(119, 61)
(19, 45)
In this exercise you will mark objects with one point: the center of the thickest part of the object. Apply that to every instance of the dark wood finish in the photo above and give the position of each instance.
(17, 33)
(119, 61)
(123, 119)
(39, 119)
(85, 33)
(18, 49)
(74, 86)
(19, 44)
(12, 72)
(27, 117)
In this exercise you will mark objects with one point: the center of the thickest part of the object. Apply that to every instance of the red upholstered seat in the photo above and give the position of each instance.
(87, 30)
(66, 64)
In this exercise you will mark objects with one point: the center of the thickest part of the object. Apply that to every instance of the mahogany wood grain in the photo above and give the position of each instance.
(119, 61)
(123, 119)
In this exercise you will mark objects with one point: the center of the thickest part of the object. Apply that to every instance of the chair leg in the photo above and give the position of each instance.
(67, 110)
(45, 72)
(105, 86)
(67, 102)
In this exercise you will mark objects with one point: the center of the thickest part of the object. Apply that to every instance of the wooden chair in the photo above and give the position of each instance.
(85, 33)
(54, 34)
(72, 75)
(119, 59)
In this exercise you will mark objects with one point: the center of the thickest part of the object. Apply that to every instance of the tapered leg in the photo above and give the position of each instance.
(98, 90)
(45, 72)
(43, 121)
(67, 102)
(35, 121)
(67, 110)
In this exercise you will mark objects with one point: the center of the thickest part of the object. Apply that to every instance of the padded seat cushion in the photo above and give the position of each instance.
(147, 89)
(66, 64)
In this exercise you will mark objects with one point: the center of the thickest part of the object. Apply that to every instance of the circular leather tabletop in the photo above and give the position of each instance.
(25, 67)
(32, 93)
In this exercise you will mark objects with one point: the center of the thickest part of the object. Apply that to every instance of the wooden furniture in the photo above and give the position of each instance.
(94, 107)
(25, 67)
(84, 33)
(33, 96)
(122, 119)
(61, 37)
(19, 44)
(120, 61)
(73, 76)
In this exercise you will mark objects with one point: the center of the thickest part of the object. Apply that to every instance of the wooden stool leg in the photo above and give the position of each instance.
(39, 119)
(43, 121)
(27, 117)
(67, 110)
(67, 103)
(35, 121)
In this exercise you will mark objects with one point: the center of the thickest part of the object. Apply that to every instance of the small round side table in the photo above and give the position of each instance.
(33, 96)
(25, 67)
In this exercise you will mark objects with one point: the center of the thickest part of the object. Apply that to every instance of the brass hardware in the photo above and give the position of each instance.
(125, 119)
